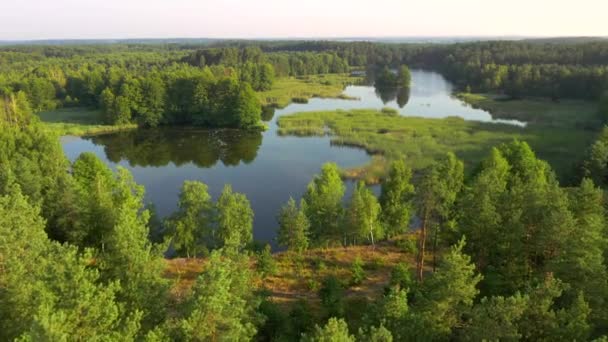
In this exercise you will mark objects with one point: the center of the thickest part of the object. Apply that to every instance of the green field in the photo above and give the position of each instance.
(565, 113)
(78, 121)
(286, 90)
(422, 140)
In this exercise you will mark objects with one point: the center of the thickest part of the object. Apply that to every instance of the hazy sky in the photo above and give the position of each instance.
(44, 19)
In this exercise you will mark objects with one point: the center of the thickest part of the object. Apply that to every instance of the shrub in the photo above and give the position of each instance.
(332, 296)
(389, 111)
(407, 245)
(401, 276)
(266, 264)
(357, 272)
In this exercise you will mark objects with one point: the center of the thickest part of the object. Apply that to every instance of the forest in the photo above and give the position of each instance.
(499, 249)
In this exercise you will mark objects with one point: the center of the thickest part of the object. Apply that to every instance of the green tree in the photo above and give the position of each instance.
(404, 77)
(130, 258)
(247, 109)
(595, 165)
(394, 312)
(234, 219)
(332, 296)
(153, 104)
(323, 204)
(336, 330)
(223, 306)
(357, 272)
(436, 194)
(603, 106)
(396, 199)
(541, 320)
(449, 292)
(192, 224)
(481, 208)
(266, 77)
(293, 227)
(95, 186)
(495, 319)
(583, 265)
(266, 264)
(106, 101)
(363, 215)
(51, 291)
(380, 334)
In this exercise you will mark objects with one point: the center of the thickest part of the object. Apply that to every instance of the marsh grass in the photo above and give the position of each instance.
(301, 89)
(421, 140)
(534, 110)
(78, 122)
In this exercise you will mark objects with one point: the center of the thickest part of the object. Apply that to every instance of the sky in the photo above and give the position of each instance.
(110, 19)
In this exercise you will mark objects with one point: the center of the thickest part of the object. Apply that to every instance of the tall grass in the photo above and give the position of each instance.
(79, 122)
(420, 140)
(300, 89)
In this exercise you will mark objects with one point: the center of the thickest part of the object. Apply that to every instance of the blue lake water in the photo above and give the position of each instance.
(268, 168)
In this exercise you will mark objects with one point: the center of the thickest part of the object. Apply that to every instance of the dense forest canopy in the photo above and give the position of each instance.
(197, 84)
(505, 253)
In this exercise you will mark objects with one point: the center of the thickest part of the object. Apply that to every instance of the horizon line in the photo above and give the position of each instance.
(328, 38)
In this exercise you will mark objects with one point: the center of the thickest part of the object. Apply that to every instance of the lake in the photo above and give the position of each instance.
(266, 167)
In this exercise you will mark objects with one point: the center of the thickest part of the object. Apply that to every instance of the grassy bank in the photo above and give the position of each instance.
(537, 111)
(422, 140)
(79, 122)
(291, 89)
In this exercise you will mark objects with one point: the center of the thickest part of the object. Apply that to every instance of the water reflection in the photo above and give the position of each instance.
(269, 172)
(403, 96)
(389, 94)
(202, 147)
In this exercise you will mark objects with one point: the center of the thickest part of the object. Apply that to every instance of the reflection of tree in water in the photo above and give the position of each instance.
(388, 94)
(202, 147)
(403, 96)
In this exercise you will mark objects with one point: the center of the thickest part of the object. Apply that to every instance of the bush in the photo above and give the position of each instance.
(401, 276)
(266, 264)
(357, 272)
(332, 297)
(313, 285)
(407, 245)
(389, 111)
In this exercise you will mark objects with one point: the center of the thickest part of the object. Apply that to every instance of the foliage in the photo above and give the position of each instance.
(363, 215)
(357, 272)
(332, 296)
(192, 225)
(322, 204)
(223, 305)
(396, 199)
(336, 330)
(266, 264)
(234, 219)
(293, 227)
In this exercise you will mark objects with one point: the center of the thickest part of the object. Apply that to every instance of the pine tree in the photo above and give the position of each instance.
(293, 227)
(223, 305)
(449, 292)
(336, 330)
